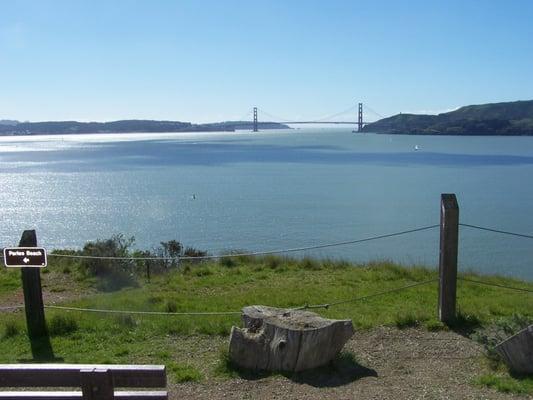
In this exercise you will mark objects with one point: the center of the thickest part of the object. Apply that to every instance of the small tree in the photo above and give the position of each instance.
(113, 274)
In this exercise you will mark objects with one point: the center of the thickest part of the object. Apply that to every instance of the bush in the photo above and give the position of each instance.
(227, 262)
(171, 306)
(61, 325)
(272, 262)
(11, 329)
(126, 320)
(113, 274)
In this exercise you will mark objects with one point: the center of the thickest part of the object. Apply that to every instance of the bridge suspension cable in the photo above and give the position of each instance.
(374, 112)
(351, 108)
(274, 117)
(324, 119)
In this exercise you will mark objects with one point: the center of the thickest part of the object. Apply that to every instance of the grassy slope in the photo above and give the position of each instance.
(228, 286)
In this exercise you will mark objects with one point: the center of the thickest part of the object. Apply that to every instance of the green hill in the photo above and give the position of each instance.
(511, 118)
(126, 126)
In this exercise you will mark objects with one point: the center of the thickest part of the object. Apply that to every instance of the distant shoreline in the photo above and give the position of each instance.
(496, 119)
(15, 128)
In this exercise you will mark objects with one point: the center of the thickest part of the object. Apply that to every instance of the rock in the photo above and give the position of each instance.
(277, 339)
(517, 351)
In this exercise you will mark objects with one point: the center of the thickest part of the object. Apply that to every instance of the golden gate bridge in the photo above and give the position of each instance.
(330, 119)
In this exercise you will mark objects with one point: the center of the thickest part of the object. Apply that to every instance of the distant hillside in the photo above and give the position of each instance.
(512, 118)
(126, 126)
(8, 122)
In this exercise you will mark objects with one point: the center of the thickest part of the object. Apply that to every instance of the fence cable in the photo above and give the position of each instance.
(496, 285)
(496, 231)
(199, 313)
(328, 305)
(250, 254)
(7, 308)
(208, 313)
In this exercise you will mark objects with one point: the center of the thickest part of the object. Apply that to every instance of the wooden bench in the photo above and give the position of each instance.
(97, 382)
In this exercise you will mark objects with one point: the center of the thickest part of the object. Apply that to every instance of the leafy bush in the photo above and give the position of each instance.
(227, 262)
(11, 329)
(61, 325)
(171, 306)
(113, 274)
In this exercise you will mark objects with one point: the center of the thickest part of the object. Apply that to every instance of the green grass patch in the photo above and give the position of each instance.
(179, 373)
(507, 384)
(83, 337)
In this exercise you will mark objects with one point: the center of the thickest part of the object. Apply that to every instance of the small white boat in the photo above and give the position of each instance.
(416, 148)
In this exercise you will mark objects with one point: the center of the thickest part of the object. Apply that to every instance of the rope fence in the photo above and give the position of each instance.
(255, 253)
(482, 228)
(280, 251)
(328, 305)
(284, 251)
(209, 313)
(495, 285)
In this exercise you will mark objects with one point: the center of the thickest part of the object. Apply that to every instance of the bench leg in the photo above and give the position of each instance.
(97, 384)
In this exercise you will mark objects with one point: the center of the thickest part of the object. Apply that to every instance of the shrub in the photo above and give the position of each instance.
(61, 325)
(113, 274)
(272, 262)
(11, 329)
(227, 262)
(310, 264)
(171, 306)
(407, 320)
(126, 320)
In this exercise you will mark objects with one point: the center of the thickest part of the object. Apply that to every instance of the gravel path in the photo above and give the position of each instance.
(393, 364)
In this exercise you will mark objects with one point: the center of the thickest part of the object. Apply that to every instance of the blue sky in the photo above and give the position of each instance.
(214, 60)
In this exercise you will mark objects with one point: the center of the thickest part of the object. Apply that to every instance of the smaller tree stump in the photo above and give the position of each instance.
(277, 339)
(517, 351)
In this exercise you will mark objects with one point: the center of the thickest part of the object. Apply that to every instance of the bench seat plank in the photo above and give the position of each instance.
(122, 395)
(68, 375)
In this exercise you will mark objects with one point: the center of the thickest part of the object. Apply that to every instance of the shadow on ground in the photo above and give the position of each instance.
(41, 350)
(344, 369)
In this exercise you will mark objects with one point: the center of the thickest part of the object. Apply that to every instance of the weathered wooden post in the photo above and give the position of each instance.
(449, 238)
(33, 295)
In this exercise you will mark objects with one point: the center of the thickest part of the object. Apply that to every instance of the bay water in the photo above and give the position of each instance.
(276, 189)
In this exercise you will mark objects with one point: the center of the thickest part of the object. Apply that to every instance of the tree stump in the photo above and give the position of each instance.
(277, 339)
(517, 351)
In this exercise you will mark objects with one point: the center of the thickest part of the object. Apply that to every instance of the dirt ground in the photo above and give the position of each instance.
(391, 364)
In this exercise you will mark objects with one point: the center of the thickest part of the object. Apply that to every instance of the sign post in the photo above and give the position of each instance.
(31, 285)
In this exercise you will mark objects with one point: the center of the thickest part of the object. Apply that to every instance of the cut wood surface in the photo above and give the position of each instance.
(277, 339)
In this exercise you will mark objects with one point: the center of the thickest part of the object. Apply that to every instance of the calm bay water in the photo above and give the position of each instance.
(273, 190)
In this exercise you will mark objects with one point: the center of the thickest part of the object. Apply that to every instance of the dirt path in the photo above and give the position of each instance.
(392, 364)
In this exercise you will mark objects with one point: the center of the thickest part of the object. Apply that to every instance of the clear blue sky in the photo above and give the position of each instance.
(203, 60)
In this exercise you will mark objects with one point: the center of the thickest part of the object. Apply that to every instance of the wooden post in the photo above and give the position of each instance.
(33, 295)
(97, 384)
(147, 263)
(449, 237)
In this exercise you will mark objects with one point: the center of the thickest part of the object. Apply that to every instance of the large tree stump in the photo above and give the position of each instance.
(277, 339)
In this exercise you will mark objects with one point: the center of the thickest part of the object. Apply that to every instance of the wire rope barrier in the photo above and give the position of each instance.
(495, 285)
(222, 313)
(108, 311)
(255, 253)
(483, 228)
(398, 289)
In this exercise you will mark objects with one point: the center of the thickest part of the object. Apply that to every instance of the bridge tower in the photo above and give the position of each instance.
(255, 120)
(360, 118)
